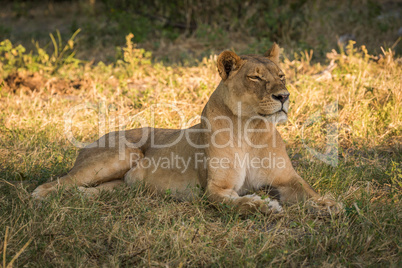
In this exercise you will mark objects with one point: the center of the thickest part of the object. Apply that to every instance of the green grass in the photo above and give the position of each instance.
(131, 227)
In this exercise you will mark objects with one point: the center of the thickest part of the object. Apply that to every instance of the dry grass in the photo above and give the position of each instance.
(129, 227)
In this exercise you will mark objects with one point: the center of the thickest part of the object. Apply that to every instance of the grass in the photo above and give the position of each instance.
(131, 227)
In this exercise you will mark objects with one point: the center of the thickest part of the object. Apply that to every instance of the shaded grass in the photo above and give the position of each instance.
(131, 228)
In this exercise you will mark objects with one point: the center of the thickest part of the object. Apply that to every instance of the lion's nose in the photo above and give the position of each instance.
(281, 97)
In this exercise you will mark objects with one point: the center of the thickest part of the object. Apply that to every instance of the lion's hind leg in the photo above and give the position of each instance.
(93, 167)
(107, 186)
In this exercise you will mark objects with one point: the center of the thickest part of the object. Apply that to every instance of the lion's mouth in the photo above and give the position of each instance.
(266, 115)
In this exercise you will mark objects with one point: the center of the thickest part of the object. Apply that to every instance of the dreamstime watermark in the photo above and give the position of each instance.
(237, 133)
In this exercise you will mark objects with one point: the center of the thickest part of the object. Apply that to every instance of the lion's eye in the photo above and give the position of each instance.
(281, 76)
(255, 78)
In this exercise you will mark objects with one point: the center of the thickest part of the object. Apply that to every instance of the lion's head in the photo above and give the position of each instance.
(257, 83)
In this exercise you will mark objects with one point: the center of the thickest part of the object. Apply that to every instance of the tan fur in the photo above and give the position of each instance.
(238, 124)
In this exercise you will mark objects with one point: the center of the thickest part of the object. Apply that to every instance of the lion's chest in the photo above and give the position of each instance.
(253, 168)
(249, 157)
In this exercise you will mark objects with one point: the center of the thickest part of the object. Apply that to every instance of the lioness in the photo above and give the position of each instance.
(235, 150)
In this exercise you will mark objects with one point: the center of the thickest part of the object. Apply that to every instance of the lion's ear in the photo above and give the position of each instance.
(228, 61)
(273, 53)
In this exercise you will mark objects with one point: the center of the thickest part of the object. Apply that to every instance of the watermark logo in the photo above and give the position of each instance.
(330, 155)
(182, 163)
(237, 133)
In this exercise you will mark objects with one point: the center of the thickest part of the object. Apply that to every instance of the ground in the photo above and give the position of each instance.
(346, 106)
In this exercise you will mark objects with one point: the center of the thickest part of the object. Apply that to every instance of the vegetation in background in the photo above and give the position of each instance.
(184, 31)
(39, 85)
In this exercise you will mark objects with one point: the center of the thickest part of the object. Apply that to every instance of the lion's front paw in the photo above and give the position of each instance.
(266, 206)
(325, 206)
(273, 205)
